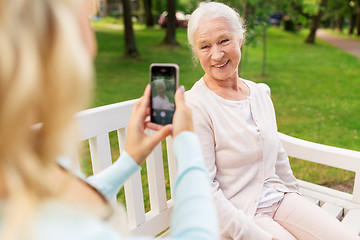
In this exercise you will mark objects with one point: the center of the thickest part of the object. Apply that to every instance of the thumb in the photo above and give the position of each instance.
(179, 96)
(160, 135)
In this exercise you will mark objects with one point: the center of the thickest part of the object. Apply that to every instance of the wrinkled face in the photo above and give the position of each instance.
(218, 48)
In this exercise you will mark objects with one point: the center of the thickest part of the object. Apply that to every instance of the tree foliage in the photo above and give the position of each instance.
(311, 14)
(187, 6)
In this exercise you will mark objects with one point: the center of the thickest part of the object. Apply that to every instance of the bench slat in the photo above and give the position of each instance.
(352, 220)
(333, 209)
(100, 152)
(324, 194)
(172, 165)
(121, 134)
(154, 223)
(156, 180)
(313, 200)
(134, 200)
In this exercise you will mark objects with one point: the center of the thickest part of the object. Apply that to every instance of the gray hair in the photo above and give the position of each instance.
(159, 82)
(214, 10)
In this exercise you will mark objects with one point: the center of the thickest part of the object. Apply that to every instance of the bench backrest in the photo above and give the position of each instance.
(327, 155)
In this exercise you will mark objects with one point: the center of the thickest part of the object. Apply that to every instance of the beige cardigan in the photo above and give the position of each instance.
(240, 158)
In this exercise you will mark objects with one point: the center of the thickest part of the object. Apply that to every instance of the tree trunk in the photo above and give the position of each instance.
(264, 52)
(171, 23)
(130, 44)
(352, 23)
(340, 24)
(139, 6)
(245, 9)
(358, 19)
(332, 23)
(316, 23)
(149, 19)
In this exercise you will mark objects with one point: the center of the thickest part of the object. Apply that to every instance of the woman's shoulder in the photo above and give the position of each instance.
(195, 89)
(197, 94)
(258, 88)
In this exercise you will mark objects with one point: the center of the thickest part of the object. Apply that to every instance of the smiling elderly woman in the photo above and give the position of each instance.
(253, 186)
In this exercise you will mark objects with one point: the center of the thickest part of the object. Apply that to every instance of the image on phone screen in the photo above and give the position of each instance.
(163, 86)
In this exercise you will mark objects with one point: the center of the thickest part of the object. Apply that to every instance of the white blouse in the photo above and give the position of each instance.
(242, 153)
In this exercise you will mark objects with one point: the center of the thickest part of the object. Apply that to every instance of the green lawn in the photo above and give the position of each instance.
(315, 88)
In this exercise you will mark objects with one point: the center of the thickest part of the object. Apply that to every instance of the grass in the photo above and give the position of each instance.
(315, 88)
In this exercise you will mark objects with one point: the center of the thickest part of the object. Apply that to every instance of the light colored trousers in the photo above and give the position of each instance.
(294, 217)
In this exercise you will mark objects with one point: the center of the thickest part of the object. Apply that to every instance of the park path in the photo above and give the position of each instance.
(348, 45)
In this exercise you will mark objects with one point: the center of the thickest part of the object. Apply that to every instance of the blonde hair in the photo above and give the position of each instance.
(45, 76)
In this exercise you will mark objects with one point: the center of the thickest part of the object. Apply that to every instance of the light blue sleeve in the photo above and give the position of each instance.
(194, 215)
(110, 180)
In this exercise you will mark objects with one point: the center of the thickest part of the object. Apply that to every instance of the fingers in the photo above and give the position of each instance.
(179, 96)
(163, 130)
(141, 107)
(147, 92)
(145, 99)
(153, 126)
(182, 120)
(162, 133)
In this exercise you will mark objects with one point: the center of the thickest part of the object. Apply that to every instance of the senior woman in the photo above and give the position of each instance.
(253, 186)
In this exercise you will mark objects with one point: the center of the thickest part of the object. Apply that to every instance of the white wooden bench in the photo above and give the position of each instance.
(97, 123)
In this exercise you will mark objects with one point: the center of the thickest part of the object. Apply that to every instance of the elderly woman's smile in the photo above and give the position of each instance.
(221, 65)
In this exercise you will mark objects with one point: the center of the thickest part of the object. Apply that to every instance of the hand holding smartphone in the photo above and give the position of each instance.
(164, 81)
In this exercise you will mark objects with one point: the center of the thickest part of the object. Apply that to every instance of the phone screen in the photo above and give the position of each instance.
(163, 79)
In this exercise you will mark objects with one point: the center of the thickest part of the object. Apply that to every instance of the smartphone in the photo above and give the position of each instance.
(164, 81)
